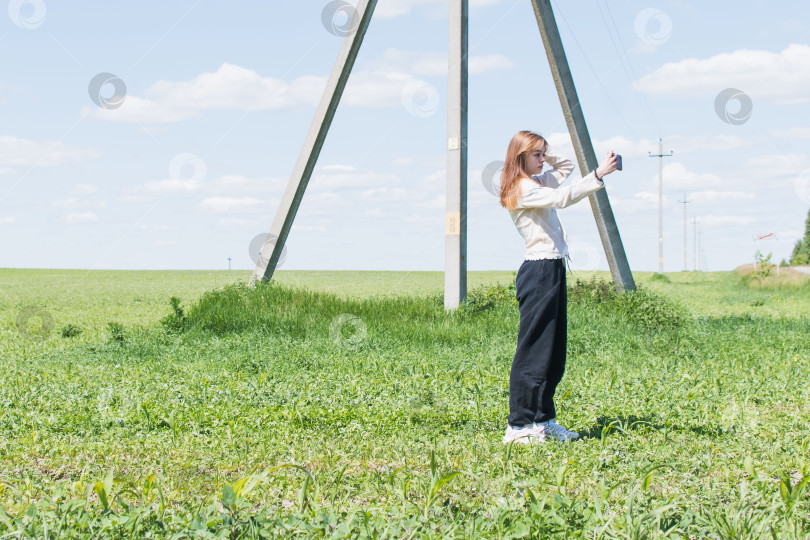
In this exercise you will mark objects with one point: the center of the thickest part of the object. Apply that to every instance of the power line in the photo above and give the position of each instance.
(645, 105)
(598, 77)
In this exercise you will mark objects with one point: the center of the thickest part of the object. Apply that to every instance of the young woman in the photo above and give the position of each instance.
(532, 197)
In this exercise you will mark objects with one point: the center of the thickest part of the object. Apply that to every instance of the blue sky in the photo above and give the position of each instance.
(191, 165)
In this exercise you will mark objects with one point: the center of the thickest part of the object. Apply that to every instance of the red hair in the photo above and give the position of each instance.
(514, 168)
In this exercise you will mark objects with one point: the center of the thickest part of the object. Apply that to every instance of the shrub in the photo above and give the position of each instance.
(485, 298)
(70, 331)
(265, 306)
(174, 321)
(651, 311)
(640, 308)
(596, 291)
(116, 331)
(763, 267)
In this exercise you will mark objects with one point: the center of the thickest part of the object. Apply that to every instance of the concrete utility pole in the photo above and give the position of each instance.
(575, 119)
(285, 215)
(661, 157)
(455, 230)
(684, 202)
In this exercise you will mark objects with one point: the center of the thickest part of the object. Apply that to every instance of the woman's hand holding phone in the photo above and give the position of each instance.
(613, 162)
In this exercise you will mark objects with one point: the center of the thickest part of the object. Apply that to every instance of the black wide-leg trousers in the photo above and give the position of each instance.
(539, 361)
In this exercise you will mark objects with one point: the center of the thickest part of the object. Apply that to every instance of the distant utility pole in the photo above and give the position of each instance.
(684, 202)
(229, 263)
(694, 244)
(660, 155)
(700, 252)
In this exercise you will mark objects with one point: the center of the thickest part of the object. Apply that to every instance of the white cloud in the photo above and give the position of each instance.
(684, 145)
(239, 223)
(146, 111)
(560, 143)
(135, 198)
(233, 87)
(8, 220)
(339, 177)
(228, 184)
(377, 88)
(16, 152)
(233, 183)
(396, 8)
(436, 181)
(435, 202)
(230, 87)
(386, 194)
(74, 219)
(221, 205)
(308, 228)
(434, 63)
(642, 201)
(155, 228)
(324, 203)
(85, 189)
(783, 77)
(171, 185)
(712, 196)
(791, 133)
(420, 219)
(647, 196)
(677, 176)
(76, 202)
(490, 62)
(790, 235)
(712, 219)
(417, 63)
(339, 167)
(402, 161)
(767, 169)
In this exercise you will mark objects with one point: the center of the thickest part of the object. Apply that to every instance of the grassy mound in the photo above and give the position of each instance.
(272, 308)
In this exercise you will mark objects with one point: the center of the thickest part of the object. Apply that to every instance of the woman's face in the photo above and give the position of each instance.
(534, 160)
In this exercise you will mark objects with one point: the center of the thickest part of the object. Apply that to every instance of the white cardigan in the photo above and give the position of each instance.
(535, 216)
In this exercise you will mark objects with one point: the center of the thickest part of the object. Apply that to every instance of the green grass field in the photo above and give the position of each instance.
(350, 404)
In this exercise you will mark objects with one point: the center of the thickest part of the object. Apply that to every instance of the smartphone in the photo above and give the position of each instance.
(618, 162)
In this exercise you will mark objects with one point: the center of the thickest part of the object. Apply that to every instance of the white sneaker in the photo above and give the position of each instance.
(553, 430)
(523, 435)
